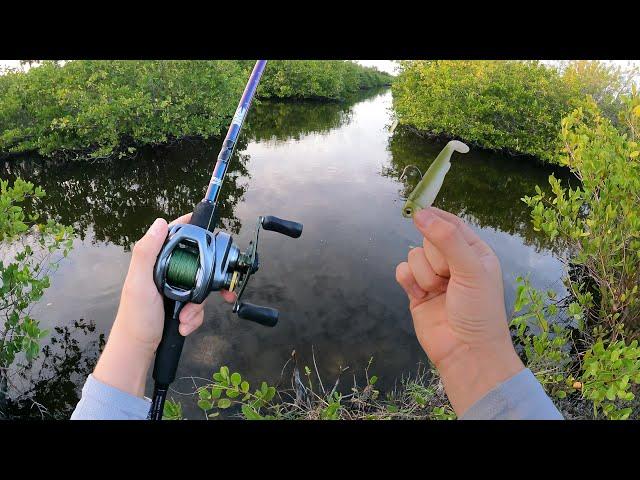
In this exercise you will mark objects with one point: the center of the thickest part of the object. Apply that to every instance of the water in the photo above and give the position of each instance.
(333, 167)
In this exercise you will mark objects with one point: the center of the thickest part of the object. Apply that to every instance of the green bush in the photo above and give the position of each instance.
(607, 84)
(417, 397)
(96, 108)
(514, 106)
(24, 275)
(598, 224)
(313, 79)
(599, 220)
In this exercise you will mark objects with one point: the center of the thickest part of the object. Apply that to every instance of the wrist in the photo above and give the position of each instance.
(470, 372)
(125, 361)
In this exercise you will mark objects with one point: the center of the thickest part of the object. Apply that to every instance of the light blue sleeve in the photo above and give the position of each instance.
(103, 402)
(519, 398)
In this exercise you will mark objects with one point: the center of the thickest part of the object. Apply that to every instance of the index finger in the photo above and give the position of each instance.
(449, 240)
(183, 219)
(468, 234)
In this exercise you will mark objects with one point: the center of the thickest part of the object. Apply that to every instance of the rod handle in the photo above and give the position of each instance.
(204, 216)
(286, 227)
(170, 347)
(255, 313)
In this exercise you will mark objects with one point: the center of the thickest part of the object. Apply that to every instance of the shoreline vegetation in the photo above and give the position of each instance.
(583, 115)
(415, 396)
(512, 106)
(85, 109)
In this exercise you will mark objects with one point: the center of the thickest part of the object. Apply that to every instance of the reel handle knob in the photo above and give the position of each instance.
(255, 313)
(286, 227)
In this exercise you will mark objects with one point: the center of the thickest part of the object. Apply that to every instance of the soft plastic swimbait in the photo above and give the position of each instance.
(425, 192)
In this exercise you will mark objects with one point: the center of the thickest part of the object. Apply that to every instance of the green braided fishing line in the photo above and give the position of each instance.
(183, 267)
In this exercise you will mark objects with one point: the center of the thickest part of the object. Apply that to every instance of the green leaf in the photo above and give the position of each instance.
(249, 413)
(233, 393)
(224, 403)
(236, 379)
(268, 396)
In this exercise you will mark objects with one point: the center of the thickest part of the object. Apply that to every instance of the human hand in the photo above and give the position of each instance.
(137, 330)
(454, 285)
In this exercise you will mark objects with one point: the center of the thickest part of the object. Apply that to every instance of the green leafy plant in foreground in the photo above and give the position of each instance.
(545, 346)
(25, 266)
(598, 223)
(228, 388)
(609, 373)
(418, 396)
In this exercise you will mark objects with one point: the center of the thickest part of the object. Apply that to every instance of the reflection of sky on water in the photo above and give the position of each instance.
(86, 285)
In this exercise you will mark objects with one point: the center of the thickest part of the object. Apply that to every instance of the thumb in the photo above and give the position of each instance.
(146, 249)
(450, 241)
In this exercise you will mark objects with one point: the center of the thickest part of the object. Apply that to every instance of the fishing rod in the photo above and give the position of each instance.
(196, 261)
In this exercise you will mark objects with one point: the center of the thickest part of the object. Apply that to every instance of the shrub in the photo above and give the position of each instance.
(94, 106)
(598, 223)
(24, 275)
(314, 79)
(607, 84)
(418, 396)
(599, 220)
(511, 105)
(98, 108)
(514, 106)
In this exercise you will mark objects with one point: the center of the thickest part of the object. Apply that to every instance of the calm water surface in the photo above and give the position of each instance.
(333, 167)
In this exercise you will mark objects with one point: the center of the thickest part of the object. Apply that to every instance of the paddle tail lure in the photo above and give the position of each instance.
(427, 189)
(196, 260)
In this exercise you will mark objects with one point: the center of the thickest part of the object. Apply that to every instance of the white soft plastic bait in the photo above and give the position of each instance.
(427, 189)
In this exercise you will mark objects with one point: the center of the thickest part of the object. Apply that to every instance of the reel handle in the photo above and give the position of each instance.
(170, 347)
(255, 313)
(286, 227)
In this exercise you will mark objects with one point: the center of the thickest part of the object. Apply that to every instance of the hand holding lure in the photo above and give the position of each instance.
(427, 189)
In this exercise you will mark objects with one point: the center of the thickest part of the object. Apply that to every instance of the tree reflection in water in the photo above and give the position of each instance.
(52, 388)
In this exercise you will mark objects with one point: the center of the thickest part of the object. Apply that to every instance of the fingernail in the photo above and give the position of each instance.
(156, 227)
(424, 217)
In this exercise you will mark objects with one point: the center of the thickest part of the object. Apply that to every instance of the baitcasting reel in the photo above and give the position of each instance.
(195, 262)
